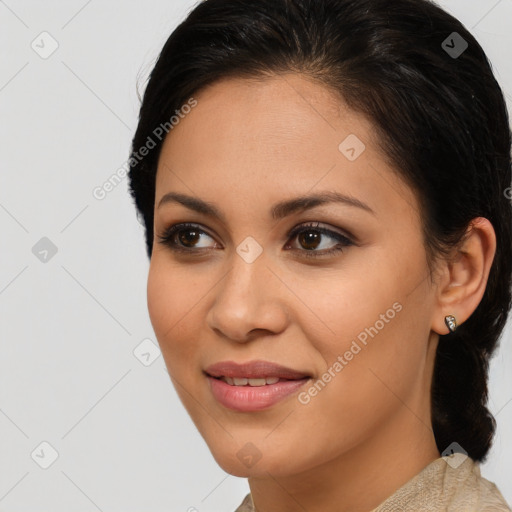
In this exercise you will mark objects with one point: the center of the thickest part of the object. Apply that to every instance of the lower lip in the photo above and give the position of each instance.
(253, 398)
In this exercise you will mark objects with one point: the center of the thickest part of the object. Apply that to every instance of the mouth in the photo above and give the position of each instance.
(253, 370)
(253, 386)
(245, 381)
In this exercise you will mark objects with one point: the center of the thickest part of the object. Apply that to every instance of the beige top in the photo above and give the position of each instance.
(448, 484)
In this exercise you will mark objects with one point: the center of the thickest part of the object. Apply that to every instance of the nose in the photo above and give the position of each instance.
(249, 302)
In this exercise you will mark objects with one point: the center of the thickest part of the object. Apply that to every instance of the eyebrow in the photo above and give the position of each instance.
(278, 210)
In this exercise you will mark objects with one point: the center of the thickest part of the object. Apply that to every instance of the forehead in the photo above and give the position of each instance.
(264, 123)
(287, 105)
(273, 137)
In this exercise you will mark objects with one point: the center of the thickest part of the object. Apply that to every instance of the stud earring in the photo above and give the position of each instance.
(450, 322)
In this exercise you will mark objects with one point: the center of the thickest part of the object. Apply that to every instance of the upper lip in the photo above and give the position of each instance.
(253, 369)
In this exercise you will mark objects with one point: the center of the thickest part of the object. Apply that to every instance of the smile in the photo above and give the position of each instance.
(250, 382)
(254, 385)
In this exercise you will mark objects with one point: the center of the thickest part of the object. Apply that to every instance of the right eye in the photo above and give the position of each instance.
(183, 237)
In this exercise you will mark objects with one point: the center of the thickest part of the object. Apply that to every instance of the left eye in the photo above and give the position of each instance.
(185, 237)
(310, 236)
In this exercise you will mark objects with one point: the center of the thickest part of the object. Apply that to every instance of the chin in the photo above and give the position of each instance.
(247, 461)
(260, 469)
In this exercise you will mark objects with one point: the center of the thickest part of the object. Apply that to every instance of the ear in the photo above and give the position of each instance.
(463, 276)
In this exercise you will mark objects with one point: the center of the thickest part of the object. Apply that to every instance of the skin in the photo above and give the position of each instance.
(247, 145)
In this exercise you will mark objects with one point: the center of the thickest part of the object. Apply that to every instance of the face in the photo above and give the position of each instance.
(335, 289)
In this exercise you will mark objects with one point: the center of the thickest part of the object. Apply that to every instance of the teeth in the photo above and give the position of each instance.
(251, 382)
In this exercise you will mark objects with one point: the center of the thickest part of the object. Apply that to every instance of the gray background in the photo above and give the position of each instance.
(70, 324)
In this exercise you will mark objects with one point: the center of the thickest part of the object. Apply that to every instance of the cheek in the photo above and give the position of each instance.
(371, 321)
(370, 384)
(382, 363)
(160, 298)
(172, 303)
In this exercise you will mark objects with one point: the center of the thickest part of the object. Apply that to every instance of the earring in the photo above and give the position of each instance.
(450, 322)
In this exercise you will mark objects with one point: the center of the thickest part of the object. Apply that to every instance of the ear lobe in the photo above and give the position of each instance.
(465, 275)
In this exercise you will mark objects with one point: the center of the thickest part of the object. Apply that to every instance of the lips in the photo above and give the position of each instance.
(253, 386)
(253, 370)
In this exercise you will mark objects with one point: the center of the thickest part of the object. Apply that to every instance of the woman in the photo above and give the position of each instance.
(323, 186)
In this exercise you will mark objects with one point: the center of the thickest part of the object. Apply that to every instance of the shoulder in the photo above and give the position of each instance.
(448, 484)
(246, 505)
(469, 490)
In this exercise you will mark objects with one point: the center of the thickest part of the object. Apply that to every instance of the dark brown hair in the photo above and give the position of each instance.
(442, 123)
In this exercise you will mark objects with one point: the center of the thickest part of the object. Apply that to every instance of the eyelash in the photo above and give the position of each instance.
(167, 239)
